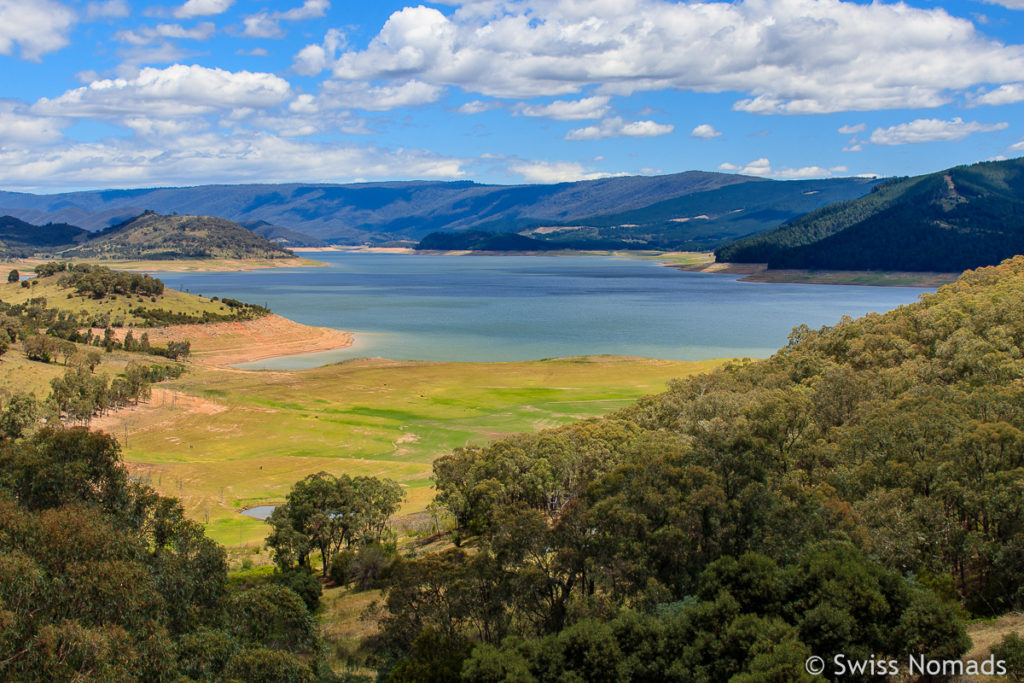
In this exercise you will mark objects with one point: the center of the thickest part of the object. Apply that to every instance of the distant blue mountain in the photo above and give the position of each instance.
(408, 211)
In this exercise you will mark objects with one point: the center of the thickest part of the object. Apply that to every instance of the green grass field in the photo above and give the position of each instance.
(222, 439)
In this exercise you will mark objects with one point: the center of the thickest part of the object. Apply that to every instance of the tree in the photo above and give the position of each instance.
(13, 276)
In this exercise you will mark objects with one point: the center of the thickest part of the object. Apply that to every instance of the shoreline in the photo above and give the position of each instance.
(246, 341)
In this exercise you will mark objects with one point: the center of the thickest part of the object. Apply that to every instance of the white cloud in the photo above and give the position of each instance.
(111, 9)
(347, 95)
(1009, 93)
(268, 24)
(1009, 4)
(213, 157)
(150, 34)
(562, 110)
(202, 8)
(763, 168)
(20, 126)
(37, 27)
(479, 107)
(617, 127)
(705, 131)
(255, 52)
(555, 172)
(173, 92)
(931, 130)
(789, 56)
(313, 59)
(1016, 147)
(851, 130)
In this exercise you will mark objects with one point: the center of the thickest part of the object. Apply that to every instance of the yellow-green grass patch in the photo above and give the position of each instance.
(222, 439)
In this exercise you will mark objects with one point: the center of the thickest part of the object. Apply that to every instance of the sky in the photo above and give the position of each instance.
(117, 94)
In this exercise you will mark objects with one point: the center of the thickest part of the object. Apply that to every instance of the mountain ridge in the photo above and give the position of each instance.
(379, 213)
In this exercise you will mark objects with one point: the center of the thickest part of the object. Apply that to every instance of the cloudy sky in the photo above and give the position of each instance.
(114, 93)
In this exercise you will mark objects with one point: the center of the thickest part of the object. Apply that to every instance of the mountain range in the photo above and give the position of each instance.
(405, 212)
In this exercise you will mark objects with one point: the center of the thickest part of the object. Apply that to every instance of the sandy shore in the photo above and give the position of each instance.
(244, 341)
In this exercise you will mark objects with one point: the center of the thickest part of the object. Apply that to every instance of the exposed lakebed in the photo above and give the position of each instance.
(506, 308)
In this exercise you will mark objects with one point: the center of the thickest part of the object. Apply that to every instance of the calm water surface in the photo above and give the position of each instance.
(505, 308)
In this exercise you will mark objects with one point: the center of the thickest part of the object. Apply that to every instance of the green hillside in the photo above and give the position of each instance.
(152, 236)
(960, 218)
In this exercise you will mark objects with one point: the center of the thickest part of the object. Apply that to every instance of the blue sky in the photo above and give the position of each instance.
(112, 93)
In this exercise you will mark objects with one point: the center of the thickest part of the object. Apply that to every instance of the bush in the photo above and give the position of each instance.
(1011, 650)
(340, 570)
(370, 566)
(303, 583)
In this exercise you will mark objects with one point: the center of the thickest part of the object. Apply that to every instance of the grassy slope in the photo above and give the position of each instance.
(116, 307)
(172, 265)
(227, 439)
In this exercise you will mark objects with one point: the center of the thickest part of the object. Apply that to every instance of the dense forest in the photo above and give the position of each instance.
(859, 493)
(960, 218)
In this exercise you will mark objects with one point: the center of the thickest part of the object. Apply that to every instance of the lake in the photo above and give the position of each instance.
(506, 308)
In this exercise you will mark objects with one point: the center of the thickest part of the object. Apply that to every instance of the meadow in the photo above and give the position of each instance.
(223, 439)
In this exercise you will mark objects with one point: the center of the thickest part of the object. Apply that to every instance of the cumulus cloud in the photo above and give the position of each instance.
(1016, 147)
(347, 95)
(212, 157)
(18, 125)
(576, 110)
(618, 127)
(555, 172)
(37, 27)
(789, 56)
(851, 130)
(173, 92)
(705, 131)
(150, 34)
(111, 9)
(931, 130)
(268, 24)
(313, 59)
(479, 107)
(763, 168)
(202, 8)
(1010, 93)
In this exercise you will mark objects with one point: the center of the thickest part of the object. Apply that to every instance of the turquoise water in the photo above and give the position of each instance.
(505, 308)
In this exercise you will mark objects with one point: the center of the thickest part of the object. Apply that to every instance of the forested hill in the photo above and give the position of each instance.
(960, 218)
(152, 236)
(856, 493)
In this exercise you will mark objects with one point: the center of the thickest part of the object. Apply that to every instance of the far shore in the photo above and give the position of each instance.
(704, 262)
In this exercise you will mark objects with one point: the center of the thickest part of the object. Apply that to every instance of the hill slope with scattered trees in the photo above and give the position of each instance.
(152, 236)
